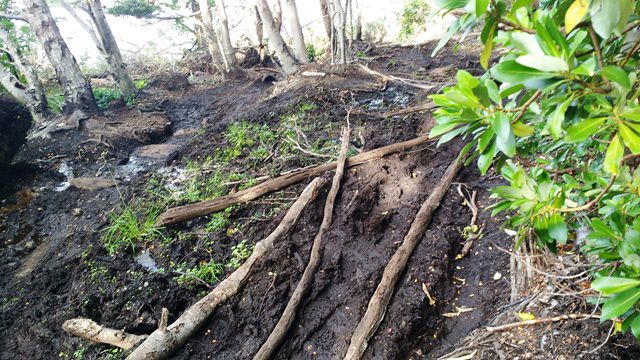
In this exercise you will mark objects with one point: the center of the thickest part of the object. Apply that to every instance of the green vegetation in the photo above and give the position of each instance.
(105, 95)
(413, 17)
(239, 253)
(207, 271)
(558, 117)
(128, 230)
(137, 8)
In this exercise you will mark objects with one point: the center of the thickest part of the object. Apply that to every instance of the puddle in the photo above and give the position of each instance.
(67, 171)
(145, 260)
(22, 198)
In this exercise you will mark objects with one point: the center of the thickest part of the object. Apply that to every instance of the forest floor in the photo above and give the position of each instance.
(186, 143)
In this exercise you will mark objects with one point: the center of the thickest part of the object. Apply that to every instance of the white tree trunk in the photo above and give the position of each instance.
(259, 33)
(211, 36)
(287, 61)
(277, 15)
(297, 38)
(326, 18)
(77, 91)
(339, 23)
(109, 48)
(225, 38)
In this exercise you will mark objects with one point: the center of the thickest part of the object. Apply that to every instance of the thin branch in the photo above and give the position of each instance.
(633, 50)
(596, 46)
(526, 105)
(542, 321)
(13, 17)
(592, 202)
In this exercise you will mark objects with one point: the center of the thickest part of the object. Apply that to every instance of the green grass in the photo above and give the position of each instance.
(207, 271)
(128, 230)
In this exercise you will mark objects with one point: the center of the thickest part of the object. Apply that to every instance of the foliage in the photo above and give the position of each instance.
(413, 17)
(127, 230)
(105, 95)
(137, 8)
(558, 117)
(207, 271)
(239, 253)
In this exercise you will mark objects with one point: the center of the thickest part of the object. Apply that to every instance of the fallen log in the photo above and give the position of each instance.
(380, 300)
(187, 212)
(94, 332)
(163, 342)
(277, 335)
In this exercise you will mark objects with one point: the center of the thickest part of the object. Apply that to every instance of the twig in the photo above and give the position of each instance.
(541, 321)
(596, 46)
(592, 202)
(633, 50)
(409, 82)
(470, 202)
(277, 335)
(526, 105)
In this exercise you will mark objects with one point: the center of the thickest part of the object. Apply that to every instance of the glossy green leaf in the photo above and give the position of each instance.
(605, 15)
(486, 158)
(635, 327)
(543, 63)
(614, 154)
(522, 130)
(513, 73)
(492, 90)
(584, 129)
(554, 123)
(617, 75)
(609, 285)
(620, 304)
(488, 47)
(466, 80)
(505, 139)
(451, 4)
(526, 43)
(557, 228)
(481, 7)
(630, 136)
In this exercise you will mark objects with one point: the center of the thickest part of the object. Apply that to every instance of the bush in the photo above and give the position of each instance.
(558, 117)
(104, 96)
(413, 17)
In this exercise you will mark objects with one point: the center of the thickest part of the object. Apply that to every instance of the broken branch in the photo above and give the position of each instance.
(161, 344)
(277, 335)
(380, 300)
(187, 212)
(542, 321)
(94, 332)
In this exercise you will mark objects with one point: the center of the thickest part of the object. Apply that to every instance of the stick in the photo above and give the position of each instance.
(94, 332)
(192, 211)
(277, 335)
(409, 110)
(409, 82)
(161, 344)
(542, 321)
(380, 300)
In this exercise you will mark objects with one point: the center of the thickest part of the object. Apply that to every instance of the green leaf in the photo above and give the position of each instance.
(543, 63)
(527, 43)
(486, 158)
(616, 74)
(557, 228)
(443, 129)
(488, 47)
(481, 7)
(635, 326)
(453, 29)
(581, 131)
(620, 304)
(614, 154)
(630, 137)
(605, 15)
(574, 14)
(505, 139)
(492, 90)
(609, 285)
(520, 3)
(522, 130)
(586, 68)
(466, 80)
(451, 4)
(513, 73)
(554, 123)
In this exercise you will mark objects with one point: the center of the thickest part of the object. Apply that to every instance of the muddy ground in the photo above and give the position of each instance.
(54, 266)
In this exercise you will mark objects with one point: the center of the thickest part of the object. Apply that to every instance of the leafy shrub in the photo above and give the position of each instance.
(558, 117)
(105, 95)
(413, 17)
(137, 8)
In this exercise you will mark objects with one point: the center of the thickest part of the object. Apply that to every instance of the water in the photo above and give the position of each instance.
(67, 171)
(145, 260)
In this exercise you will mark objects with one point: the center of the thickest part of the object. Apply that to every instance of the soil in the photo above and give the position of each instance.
(53, 265)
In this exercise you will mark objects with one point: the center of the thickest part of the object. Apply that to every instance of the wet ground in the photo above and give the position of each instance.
(54, 264)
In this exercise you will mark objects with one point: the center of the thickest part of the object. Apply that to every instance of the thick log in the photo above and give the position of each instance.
(92, 331)
(277, 335)
(380, 300)
(164, 342)
(192, 211)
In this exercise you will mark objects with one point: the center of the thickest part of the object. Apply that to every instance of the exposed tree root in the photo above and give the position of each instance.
(277, 335)
(542, 321)
(380, 300)
(163, 342)
(192, 211)
(94, 332)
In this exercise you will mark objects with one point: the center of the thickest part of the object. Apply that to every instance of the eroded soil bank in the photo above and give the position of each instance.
(65, 193)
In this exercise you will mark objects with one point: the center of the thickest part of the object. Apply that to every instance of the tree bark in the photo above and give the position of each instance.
(259, 34)
(287, 61)
(77, 91)
(326, 18)
(277, 15)
(211, 36)
(163, 342)
(225, 38)
(297, 37)
(109, 48)
(339, 23)
(32, 95)
(358, 29)
(192, 211)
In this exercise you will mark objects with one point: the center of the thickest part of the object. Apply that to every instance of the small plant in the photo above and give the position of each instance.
(239, 253)
(207, 271)
(127, 230)
(217, 222)
(105, 95)
(55, 101)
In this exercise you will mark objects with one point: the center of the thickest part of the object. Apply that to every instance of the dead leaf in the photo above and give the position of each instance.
(524, 316)
(432, 300)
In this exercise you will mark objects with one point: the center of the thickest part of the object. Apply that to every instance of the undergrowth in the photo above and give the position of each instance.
(129, 228)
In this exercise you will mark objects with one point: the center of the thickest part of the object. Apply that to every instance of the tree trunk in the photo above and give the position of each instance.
(358, 29)
(77, 91)
(326, 18)
(287, 61)
(297, 38)
(339, 24)
(211, 36)
(32, 95)
(259, 34)
(277, 15)
(225, 38)
(110, 50)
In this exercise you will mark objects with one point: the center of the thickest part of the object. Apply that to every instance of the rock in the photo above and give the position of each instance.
(186, 132)
(15, 121)
(91, 183)
(77, 212)
(157, 151)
